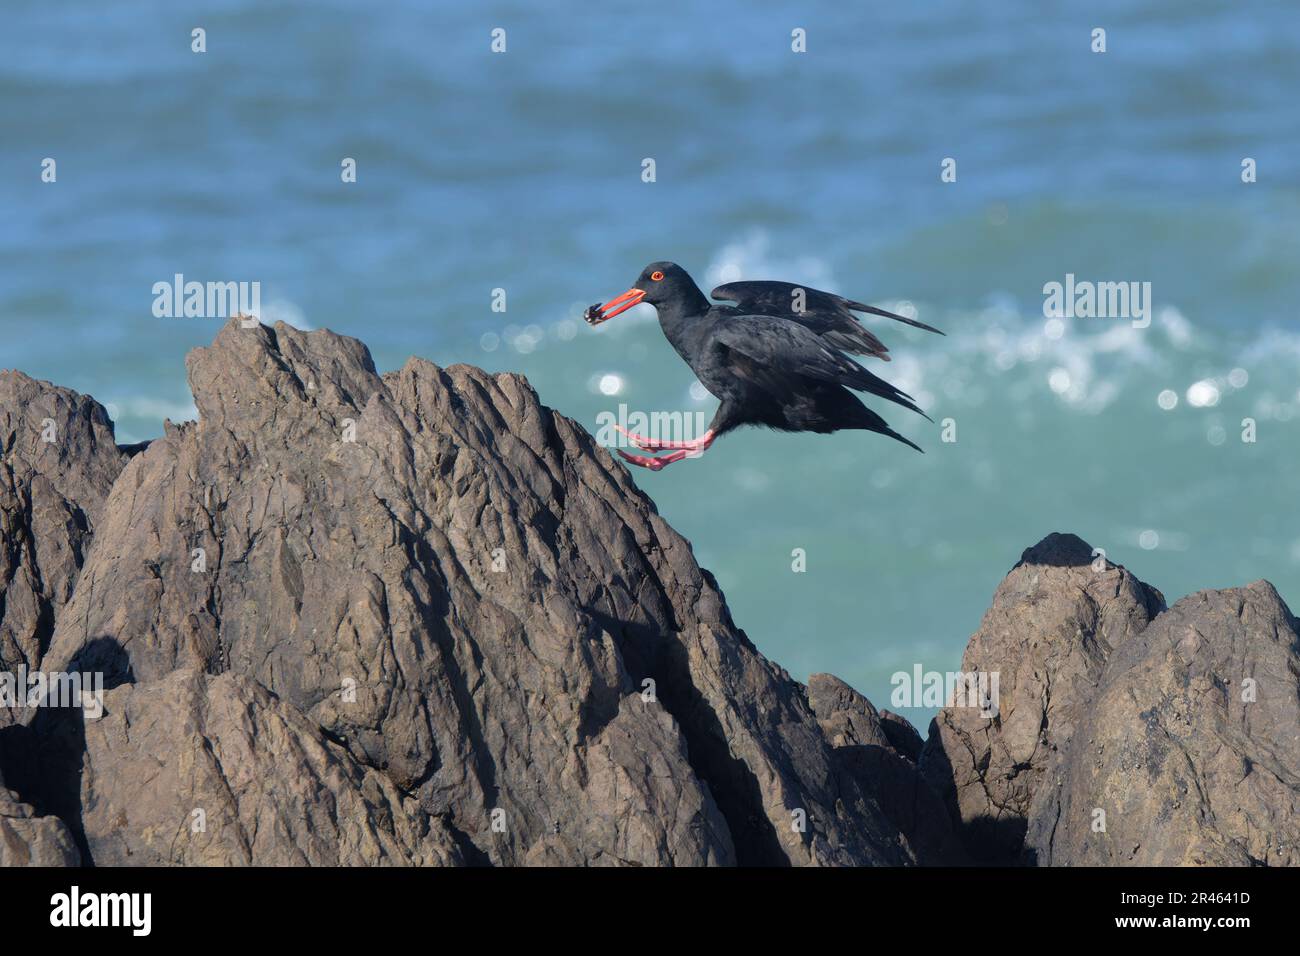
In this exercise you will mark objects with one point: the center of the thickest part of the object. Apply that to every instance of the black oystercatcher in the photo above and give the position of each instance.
(779, 357)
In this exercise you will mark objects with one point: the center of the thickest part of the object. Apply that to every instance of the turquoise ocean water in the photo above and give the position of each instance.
(522, 171)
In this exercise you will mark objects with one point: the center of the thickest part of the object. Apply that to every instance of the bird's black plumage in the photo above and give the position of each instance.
(829, 315)
(778, 357)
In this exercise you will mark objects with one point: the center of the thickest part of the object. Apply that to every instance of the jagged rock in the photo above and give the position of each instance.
(215, 771)
(1054, 621)
(880, 749)
(57, 463)
(27, 839)
(420, 618)
(468, 595)
(901, 734)
(1191, 748)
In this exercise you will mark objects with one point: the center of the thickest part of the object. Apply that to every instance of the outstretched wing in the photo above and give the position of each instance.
(829, 315)
(770, 351)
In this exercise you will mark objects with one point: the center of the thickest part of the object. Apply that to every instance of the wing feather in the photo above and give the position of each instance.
(829, 315)
(775, 349)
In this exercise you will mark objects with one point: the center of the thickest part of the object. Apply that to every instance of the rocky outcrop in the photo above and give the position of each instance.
(1053, 624)
(419, 618)
(28, 839)
(430, 580)
(235, 776)
(1190, 753)
(880, 750)
(58, 461)
(1126, 734)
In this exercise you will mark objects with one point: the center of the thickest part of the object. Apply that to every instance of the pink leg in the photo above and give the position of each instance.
(691, 450)
(654, 444)
(654, 464)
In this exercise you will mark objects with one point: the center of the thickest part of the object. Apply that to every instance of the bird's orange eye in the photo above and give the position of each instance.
(657, 276)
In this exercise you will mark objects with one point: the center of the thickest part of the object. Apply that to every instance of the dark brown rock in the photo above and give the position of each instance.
(879, 750)
(1054, 622)
(57, 462)
(29, 839)
(214, 771)
(420, 618)
(467, 595)
(1191, 749)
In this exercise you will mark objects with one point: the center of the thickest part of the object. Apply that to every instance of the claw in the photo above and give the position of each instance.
(643, 461)
(655, 464)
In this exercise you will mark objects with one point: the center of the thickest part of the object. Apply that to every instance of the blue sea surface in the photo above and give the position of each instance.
(522, 171)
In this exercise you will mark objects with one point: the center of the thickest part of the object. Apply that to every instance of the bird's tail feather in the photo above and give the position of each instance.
(906, 441)
(870, 420)
(864, 381)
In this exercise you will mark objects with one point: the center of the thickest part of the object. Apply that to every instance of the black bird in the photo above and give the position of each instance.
(779, 357)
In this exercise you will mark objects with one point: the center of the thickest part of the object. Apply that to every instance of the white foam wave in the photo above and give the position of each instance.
(1089, 364)
(282, 310)
(149, 408)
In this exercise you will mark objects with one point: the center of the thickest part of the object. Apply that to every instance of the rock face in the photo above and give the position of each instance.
(1127, 734)
(1054, 622)
(251, 778)
(430, 591)
(58, 461)
(420, 619)
(880, 751)
(1191, 749)
(27, 839)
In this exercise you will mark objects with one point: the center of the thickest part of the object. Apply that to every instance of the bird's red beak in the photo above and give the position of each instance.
(599, 314)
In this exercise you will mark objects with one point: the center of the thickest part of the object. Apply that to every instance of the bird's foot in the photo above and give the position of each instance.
(655, 444)
(655, 464)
